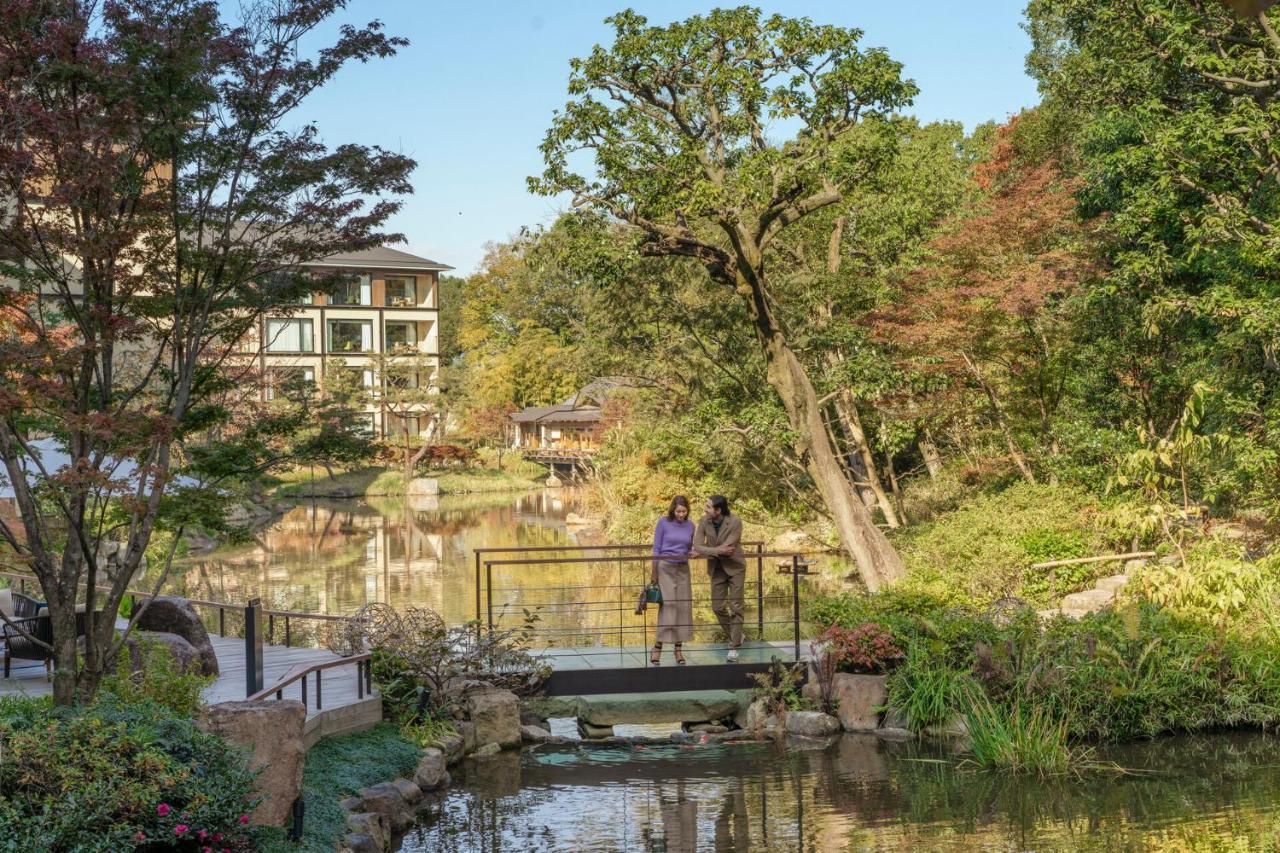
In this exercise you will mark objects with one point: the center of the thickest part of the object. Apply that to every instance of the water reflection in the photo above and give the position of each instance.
(858, 793)
(333, 556)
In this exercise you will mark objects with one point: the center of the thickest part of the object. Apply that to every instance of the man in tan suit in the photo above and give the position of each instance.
(719, 537)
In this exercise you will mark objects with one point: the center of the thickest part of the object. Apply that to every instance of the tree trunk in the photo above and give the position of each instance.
(846, 406)
(878, 563)
(997, 411)
(897, 490)
(929, 451)
(847, 410)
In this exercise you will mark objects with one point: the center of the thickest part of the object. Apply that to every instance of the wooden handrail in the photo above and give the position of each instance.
(200, 602)
(280, 685)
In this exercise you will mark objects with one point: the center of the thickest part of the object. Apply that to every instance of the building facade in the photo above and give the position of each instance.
(389, 312)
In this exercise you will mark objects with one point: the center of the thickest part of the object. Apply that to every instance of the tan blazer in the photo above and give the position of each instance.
(706, 540)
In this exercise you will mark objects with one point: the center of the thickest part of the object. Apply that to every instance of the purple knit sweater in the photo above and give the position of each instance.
(673, 540)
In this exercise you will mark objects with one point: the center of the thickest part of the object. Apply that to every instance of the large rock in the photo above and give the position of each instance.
(760, 721)
(858, 700)
(368, 825)
(431, 772)
(496, 716)
(271, 732)
(811, 724)
(611, 709)
(453, 745)
(423, 487)
(387, 800)
(185, 657)
(175, 615)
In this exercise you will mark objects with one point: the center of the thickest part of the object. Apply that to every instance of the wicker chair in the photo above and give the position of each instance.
(25, 648)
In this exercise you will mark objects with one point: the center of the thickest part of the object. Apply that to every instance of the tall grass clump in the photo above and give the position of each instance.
(1020, 737)
(926, 691)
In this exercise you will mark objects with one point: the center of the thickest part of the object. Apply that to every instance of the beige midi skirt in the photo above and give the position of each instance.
(675, 616)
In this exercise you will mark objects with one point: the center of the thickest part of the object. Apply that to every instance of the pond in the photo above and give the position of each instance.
(1219, 792)
(333, 556)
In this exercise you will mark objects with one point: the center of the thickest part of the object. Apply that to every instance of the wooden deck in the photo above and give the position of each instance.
(279, 662)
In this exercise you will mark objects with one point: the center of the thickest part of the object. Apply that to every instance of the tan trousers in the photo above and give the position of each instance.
(675, 616)
(726, 601)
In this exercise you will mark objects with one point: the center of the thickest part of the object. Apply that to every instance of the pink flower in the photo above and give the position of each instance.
(202, 834)
(180, 828)
(244, 818)
(140, 836)
(163, 809)
(217, 836)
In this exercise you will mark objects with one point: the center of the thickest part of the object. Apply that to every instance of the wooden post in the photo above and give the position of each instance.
(253, 662)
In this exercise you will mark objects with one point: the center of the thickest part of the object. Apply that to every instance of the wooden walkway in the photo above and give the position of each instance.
(279, 662)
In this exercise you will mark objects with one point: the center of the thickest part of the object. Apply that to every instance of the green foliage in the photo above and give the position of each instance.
(984, 549)
(339, 766)
(157, 681)
(117, 777)
(1020, 738)
(1134, 672)
(779, 688)
(926, 692)
(1213, 584)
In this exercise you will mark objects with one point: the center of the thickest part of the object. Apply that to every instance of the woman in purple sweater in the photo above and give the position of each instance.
(672, 544)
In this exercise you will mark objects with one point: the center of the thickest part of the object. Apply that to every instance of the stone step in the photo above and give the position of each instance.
(1079, 603)
(1115, 583)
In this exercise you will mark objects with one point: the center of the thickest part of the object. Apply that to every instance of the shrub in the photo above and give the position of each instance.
(118, 777)
(420, 663)
(780, 688)
(927, 692)
(157, 681)
(1020, 737)
(867, 648)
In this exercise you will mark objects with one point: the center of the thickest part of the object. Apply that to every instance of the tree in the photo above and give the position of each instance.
(406, 396)
(975, 312)
(678, 120)
(157, 199)
(333, 430)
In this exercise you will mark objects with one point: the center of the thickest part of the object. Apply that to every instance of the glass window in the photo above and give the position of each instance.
(350, 335)
(401, 335)
(279, 380)
(289, 336)
(357, 291)
(402, 290)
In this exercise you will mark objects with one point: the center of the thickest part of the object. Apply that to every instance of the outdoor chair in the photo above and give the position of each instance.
(24, 648)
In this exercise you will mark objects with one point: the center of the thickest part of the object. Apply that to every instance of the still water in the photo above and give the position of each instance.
(334, 556)
(1211, 793)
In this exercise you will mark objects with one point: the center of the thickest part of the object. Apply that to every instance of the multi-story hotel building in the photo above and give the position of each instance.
(391, 307)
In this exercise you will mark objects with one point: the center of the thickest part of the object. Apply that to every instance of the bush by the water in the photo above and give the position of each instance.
(116, 777)
(1134, 672)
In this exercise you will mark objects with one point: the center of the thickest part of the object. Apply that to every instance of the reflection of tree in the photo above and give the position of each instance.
(863, 793)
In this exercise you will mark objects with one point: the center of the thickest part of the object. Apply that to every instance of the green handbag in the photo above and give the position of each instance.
(653, 594)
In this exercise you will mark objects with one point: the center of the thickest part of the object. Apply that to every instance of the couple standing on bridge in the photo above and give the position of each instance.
(717, 537)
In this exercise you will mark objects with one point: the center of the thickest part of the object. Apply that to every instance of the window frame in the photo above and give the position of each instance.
(268, 344)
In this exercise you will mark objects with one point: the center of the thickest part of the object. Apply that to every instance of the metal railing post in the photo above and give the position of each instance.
(760, 590)
(222, 621)
(488, 591)
(795, 603)
(253, 663)
(318, 673)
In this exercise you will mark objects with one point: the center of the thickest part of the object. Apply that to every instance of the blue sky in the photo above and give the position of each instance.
(472, 96)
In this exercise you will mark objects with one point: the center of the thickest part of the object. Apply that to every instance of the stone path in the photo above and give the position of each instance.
(1102, 594)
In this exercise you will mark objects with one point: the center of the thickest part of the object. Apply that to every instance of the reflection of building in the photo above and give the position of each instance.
(574, 424)
(390, 306)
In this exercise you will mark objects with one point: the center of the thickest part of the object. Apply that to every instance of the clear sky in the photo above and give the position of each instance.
(472, 96)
